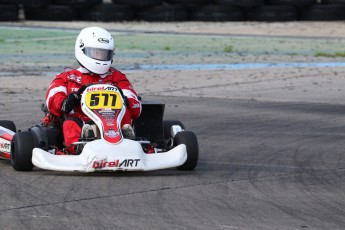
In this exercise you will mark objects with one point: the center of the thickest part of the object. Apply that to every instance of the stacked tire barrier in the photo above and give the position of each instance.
(173, 10)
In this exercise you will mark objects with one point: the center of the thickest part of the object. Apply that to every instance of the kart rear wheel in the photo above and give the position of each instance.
(190, 140)
(8, 125)
(21, 151)
(167, 124)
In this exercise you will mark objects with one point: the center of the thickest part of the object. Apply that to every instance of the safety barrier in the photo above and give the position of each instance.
(172, 10)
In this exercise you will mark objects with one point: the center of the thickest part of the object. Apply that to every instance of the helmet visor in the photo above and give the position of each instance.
(99, 54)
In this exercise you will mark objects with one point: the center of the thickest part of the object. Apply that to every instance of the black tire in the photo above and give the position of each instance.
(242, 3)
(290, 2)
(188, 2)
(107, 13)
(217, 13)
(139, 3)
(78, 3)
(190, 140)
(28, 3)
(9, 13)
(21, 151)
(333, 1)
(331, 12)
(51, 13)
(167, 124)
(8, 125)
(166, 13)
(272, 13)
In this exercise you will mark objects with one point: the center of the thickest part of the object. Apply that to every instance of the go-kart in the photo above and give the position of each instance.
(158, 144)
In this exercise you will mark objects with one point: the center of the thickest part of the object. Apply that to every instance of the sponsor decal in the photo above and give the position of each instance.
(81, 43)
(112, 133)
(109, 122)
(111, 88)
(74, 78)
(103, 40)
(127, 163)
(108, 115)
(136, 105)
(95, 88)
(100, 88)
(5, 146)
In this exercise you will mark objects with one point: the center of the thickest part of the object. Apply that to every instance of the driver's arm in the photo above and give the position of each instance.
(128, 90)
(56, 94)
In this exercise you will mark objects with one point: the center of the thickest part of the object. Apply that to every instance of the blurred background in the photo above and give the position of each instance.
(172, 10)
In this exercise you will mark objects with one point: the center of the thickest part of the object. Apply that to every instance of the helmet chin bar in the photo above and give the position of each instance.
(90, 71)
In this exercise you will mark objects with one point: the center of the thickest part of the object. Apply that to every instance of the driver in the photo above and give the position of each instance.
(94, 51)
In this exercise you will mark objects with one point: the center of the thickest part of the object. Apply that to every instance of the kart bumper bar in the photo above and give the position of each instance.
(99, 155)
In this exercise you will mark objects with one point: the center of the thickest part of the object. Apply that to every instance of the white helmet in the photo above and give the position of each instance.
(94, 49)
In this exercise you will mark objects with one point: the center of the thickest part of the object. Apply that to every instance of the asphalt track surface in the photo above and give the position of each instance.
(263, 165)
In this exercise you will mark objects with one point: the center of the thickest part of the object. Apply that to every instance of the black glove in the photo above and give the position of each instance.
(125, 99)
(70, 102)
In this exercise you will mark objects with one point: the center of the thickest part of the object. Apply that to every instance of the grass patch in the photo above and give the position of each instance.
(332, 55)
(56, 47)
(228, 49)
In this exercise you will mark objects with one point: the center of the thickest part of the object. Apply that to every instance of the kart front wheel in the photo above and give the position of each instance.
(21, 151)
(190, 140)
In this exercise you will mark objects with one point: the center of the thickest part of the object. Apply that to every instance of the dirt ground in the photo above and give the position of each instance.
(308, 84)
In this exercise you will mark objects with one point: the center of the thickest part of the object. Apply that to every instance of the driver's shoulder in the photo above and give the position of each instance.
(115, 72)
(68, 71)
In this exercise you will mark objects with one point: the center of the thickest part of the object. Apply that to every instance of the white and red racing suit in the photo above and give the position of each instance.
(70, 81)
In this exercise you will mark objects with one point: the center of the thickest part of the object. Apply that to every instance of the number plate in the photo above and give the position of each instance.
(103, 100)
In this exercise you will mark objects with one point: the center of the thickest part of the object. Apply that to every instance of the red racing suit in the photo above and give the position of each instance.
(70, 81)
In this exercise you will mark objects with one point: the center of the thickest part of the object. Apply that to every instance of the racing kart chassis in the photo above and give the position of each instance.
(158, 144)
